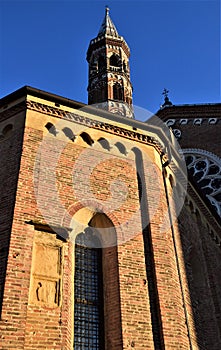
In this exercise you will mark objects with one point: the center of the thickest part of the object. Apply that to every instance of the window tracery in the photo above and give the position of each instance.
(205, 169)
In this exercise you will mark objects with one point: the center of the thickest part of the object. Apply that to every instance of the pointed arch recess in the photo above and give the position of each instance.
(96, 280)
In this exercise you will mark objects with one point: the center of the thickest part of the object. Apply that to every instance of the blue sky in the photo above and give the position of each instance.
(174, 45)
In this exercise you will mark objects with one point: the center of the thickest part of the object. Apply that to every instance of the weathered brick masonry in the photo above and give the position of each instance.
(143, 302)
(86, 190)
(199, 226)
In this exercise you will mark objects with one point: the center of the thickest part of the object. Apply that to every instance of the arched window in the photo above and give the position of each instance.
(115, 61)
(101, 63)
(96, 270)
(117, 92)
(88, 294)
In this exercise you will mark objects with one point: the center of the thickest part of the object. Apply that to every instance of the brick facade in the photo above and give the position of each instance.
(161, 282)
(199, 224)
(70, 170)
(150, 221)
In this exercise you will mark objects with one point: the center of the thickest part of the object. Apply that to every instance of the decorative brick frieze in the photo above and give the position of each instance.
(110, 128)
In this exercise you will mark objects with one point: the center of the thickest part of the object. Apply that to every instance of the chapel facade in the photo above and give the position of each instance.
(110, 234)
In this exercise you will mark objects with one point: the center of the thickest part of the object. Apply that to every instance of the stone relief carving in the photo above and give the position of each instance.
(47, 292)
(46, 272)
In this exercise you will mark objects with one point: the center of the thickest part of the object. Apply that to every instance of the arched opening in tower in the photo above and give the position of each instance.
(117, 92)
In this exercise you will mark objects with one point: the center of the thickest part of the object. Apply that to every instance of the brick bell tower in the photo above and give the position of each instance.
(109, 72)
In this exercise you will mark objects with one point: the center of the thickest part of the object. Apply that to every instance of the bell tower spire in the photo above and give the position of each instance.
(109, 72)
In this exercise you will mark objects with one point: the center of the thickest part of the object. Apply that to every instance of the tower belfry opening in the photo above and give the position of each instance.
(109, 72)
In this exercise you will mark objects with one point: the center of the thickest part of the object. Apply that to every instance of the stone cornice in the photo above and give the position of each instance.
(104, 126)
(103, 41)
(191, 114)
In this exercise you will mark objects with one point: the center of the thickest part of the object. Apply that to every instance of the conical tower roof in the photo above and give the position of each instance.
(107, 27)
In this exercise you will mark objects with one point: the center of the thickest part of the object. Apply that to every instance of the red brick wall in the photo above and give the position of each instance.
(143, 291)
(199, 246)
(10, 148)
(204, 136)
(202, 263)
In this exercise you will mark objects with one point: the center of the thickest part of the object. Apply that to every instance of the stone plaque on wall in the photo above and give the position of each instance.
(46, 270)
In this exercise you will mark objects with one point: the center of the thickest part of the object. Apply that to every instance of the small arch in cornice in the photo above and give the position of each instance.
(104, 143)
(212, 121)
(69, 133)
(177, 133)
(7, 130)
(122, 149)
(136, 151)
(183, 121)
(51, 129)
(86, 138)
(170, 122)
(197, 121)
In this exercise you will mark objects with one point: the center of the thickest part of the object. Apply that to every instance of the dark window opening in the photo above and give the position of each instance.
(101, 63)
(117, 92)
(140, 187)
(115, 61)
(88, 293)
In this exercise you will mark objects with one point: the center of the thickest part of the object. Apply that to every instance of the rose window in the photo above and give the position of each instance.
(205, 169)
